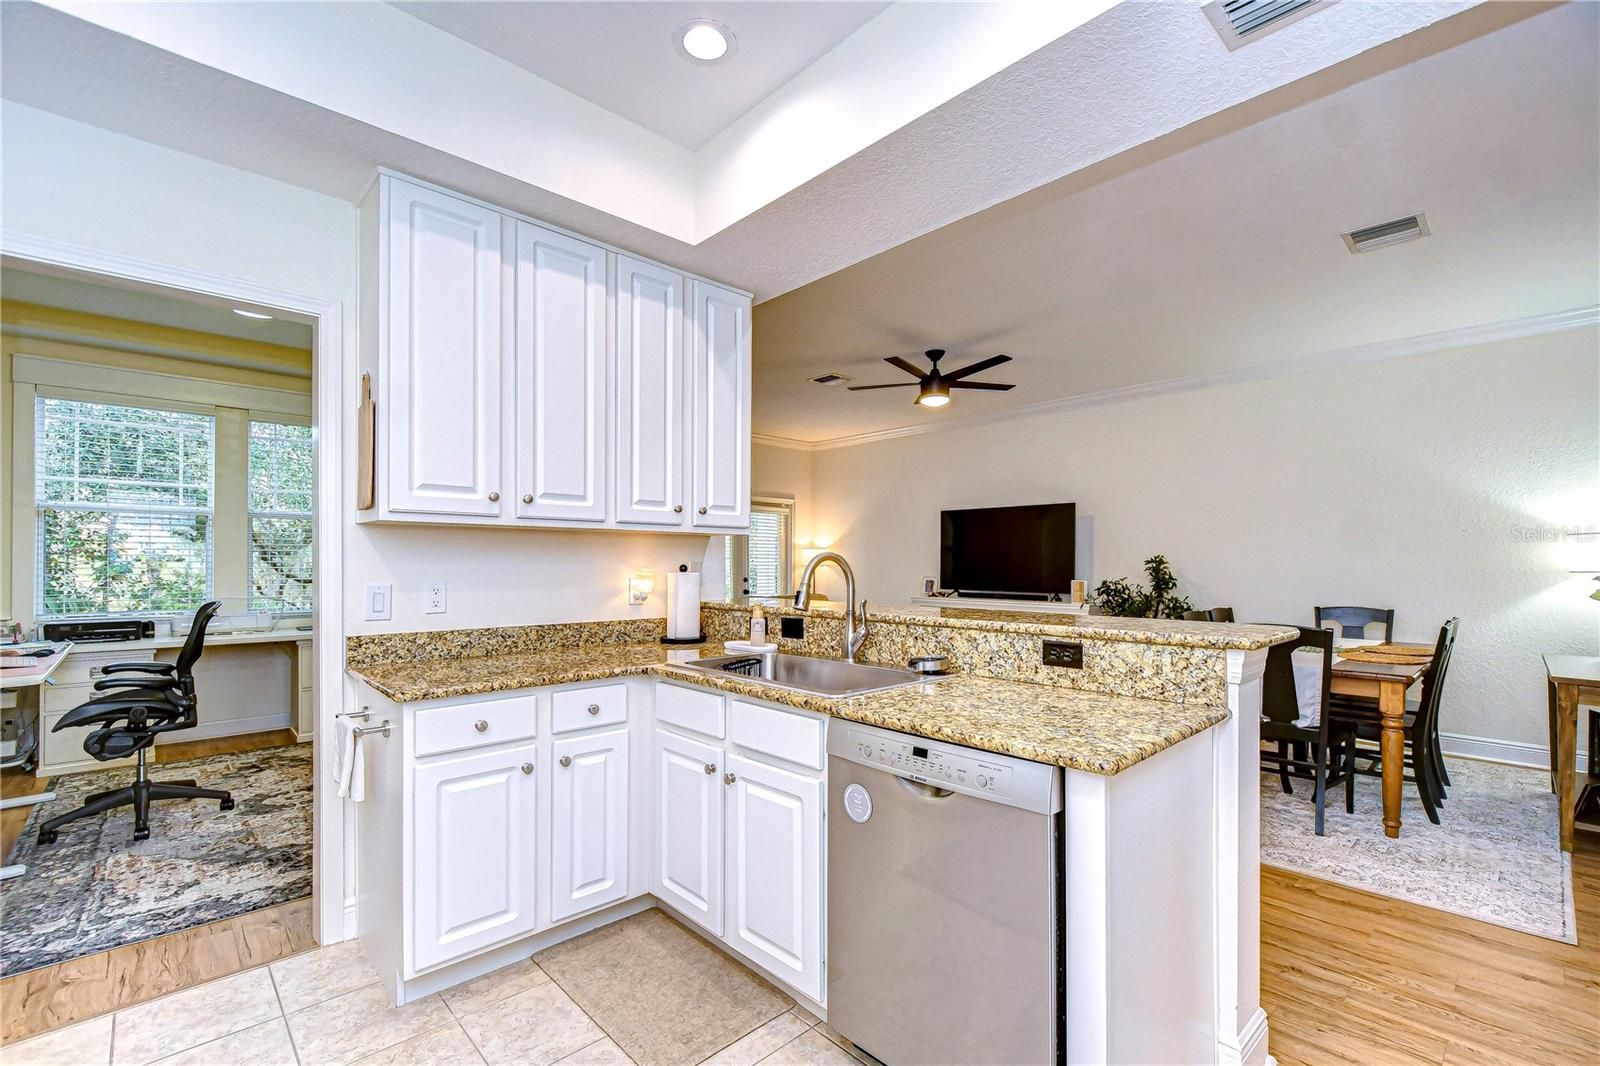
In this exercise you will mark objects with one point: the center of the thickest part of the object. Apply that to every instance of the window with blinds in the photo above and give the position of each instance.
(280, 517)
(761, 562)
(123, 496)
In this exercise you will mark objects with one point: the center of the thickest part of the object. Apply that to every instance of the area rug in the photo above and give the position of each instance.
(96, 888)
(659, 991)
(1496, 856)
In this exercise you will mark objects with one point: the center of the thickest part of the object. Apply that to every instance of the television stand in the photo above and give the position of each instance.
(1038, 597)
(978, 603)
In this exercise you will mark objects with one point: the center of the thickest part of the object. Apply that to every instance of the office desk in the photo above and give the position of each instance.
(29, 672)
(232, 676)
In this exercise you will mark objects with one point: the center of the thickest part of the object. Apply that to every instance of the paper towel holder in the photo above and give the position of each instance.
(683, 568)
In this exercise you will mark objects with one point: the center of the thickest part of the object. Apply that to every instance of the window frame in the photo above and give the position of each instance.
(40, 505)
(738, 550)
(250, 513)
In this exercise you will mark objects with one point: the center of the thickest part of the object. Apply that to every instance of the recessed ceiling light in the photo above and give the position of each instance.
(705, 41)
(249, 314)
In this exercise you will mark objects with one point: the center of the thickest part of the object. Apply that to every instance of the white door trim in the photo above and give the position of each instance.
(332, 877)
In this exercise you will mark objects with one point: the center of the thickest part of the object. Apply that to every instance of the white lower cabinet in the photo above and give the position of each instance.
(688, 795)
(774, 860)
(588, 822)
(473, 835)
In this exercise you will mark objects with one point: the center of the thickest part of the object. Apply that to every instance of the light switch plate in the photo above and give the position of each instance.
(378, 600)
(434, 601)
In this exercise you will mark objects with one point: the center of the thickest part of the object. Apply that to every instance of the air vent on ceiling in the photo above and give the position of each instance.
(830, 379)
(1397, 231)
(1239, 22)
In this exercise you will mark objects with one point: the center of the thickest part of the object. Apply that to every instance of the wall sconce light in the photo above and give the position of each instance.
(640, 586)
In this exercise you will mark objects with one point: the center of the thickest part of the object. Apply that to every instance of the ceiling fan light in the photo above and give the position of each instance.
(933, 395)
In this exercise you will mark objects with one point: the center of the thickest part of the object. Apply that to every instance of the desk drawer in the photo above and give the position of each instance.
(64, 750)
(794, 736)
(81, 667)
(474, 725)
(580, 708)
(690, 708)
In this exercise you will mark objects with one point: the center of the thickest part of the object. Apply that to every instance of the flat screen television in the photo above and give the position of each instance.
(1008, 550)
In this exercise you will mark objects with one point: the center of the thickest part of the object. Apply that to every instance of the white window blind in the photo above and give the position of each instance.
(280, 517)
(123, 497)
(768, 550)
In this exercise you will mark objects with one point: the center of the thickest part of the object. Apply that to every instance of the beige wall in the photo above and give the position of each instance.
(1426, 483)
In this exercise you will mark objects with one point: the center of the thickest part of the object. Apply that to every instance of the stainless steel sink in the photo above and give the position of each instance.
(803, 673)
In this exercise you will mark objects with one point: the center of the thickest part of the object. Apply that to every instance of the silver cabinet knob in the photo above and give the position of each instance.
(494, 497)
(528, 498)
(566, 760)
(678, 509)
(527, 767)
(481, 726)
(711, 767)
(702, 510)
(728, 779)
(594, 708)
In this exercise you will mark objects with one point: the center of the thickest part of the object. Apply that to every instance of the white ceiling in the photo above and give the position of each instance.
(1227, 255)
(686, 102)
(143, 305)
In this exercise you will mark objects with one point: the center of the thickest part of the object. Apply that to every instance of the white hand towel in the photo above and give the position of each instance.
(1308, 688)
(349, 761)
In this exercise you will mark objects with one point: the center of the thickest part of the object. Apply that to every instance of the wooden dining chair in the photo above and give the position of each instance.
(1422, 755)
(1326, 750)
(1353, 621)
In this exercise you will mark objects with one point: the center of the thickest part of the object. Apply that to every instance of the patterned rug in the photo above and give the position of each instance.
(1496, 856)
(96, 888)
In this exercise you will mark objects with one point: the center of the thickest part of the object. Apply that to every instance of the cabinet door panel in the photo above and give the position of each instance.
(650, 401)
(688, 873)
(720, 371)
(441, 403)
(560, 368)
(589, 816)
(472, 853)
(774, 895)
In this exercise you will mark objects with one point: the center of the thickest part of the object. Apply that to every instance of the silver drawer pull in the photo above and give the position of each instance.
(678, 509)
(566, 760)
(527, 767)
(528, 498)
(702, 510)
(728, 779)
(481, 726)
(494, 497)
(711, 767)
(594, 708)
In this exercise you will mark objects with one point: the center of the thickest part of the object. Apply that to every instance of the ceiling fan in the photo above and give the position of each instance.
(934, 387)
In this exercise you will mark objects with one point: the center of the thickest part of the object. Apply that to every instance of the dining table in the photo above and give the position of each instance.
(1573, 679)
(1387, 683)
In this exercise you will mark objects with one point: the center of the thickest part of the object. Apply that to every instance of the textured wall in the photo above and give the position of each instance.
(1430, 483)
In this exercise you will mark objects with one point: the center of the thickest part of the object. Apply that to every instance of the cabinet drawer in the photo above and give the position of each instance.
(693, 709)
(580, 708)
(82, 668)
(66, 747)
(473, 725)
(797, 738)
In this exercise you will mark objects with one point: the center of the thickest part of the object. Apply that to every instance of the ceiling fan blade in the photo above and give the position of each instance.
(991, 385)
(977, 368)
(909, 368)
(894, 385)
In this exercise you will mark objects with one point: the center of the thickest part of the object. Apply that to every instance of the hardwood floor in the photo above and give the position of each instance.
(57, 995)
(1347, 976)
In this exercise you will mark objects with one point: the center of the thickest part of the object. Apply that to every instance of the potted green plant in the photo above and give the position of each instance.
(1124, 599)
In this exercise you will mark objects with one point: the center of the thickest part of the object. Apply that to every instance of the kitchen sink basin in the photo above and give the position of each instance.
(803, 673)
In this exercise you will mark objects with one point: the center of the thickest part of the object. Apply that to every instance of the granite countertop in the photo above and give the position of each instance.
(1224, 635)
(1089, 731)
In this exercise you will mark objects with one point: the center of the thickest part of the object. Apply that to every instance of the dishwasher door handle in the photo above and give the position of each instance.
(917, 788)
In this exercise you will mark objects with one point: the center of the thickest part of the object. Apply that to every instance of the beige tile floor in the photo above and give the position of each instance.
(326, 1008)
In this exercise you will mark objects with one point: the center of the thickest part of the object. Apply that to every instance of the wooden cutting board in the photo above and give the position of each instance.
(366, 444)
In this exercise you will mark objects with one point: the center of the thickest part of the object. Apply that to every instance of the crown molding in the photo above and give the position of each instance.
(1466, 336)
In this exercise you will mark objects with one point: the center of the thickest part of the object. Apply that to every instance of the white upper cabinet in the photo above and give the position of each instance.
(650, 401)
(589, 823)
(560, 361)
(528, 377)
(441, 393)
(719, 371)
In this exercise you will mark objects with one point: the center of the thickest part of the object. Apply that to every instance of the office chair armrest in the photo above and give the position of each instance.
(140, 668)
(156, 684)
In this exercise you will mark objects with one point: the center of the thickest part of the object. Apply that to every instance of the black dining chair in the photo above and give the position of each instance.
(1325, 751)
(1422, 755)
(156, 698)
(1215, 614)
(1197, 616)
(1353, 621)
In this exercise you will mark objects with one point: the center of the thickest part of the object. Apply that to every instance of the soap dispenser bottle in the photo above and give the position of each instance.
(758, 624)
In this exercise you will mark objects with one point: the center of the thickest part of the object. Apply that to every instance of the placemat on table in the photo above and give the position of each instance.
(1392, 654)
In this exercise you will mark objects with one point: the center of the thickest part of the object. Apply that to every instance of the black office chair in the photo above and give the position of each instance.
(159, 698)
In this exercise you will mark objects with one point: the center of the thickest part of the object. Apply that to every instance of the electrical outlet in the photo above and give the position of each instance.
(433, 603)
(1063, 653)
(378, 599)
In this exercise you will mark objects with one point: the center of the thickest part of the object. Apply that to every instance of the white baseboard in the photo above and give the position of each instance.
(1511, 752)
(229, 727)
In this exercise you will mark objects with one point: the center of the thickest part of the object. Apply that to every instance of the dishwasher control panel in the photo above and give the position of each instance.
(1016, 782)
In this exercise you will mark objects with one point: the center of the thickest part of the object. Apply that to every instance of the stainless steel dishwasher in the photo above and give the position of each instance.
(943, 901)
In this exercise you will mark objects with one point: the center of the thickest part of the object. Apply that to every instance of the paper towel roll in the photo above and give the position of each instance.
(683, 605)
